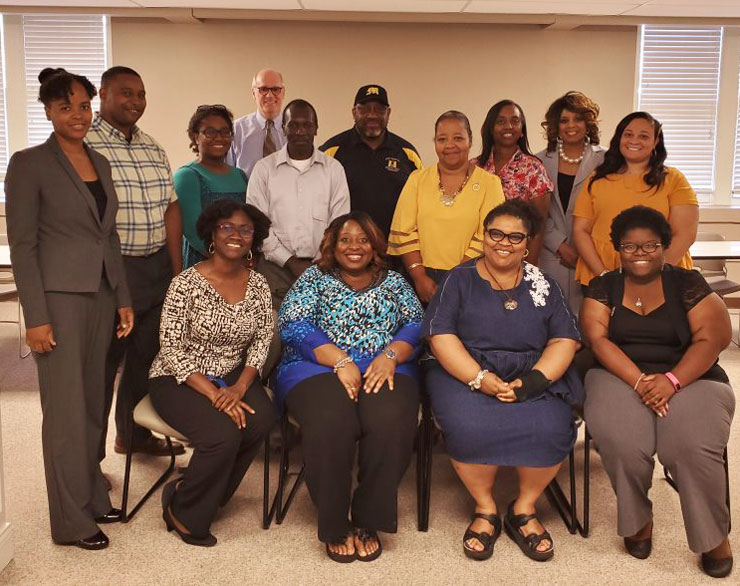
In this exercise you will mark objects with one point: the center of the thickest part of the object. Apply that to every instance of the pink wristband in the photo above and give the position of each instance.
(674, 381)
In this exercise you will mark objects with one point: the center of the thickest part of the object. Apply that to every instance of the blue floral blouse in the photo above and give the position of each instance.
(321, 309)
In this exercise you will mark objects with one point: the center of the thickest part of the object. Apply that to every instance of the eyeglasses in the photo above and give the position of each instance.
(513, 238)
(365, 109)
(230, 229)
(212, 133)
(648, 247)
(263, 90)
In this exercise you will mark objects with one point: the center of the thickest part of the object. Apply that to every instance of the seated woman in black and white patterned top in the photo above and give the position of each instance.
(215, 333)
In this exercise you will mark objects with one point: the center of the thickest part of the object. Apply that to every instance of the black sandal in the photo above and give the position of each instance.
(487, 540)
(365, 535)
(342, 558)
(527, 543)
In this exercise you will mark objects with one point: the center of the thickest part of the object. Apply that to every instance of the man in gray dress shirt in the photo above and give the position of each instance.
(301, 190)
(260, 133)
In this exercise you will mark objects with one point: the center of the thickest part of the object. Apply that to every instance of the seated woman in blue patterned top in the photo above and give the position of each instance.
(350, 328)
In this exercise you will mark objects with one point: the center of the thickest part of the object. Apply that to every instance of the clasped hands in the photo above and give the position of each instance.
(494, 386)
(380, 371)
(229, 400)
(655, 390)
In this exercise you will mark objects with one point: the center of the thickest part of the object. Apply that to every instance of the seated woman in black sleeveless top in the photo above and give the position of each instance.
(656, 331)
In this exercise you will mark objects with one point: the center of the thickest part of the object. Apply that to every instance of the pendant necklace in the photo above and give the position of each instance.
(638, 303)
(510, 304)
(448, 200)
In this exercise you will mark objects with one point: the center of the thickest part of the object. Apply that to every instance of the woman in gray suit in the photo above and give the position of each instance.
(64, 248)
(571, 155)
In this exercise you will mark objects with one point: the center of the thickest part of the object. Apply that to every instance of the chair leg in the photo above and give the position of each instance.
(419, 472)
(266, 512)
(428, 439)
(281, 509)
(583, 530)
(727, 485)
(127, 516)
(556, 496)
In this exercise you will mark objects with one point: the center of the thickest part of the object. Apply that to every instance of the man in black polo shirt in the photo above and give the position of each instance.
(376, 162)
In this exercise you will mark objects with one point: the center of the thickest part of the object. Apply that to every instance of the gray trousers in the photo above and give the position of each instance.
(689, 442)
(72, 385)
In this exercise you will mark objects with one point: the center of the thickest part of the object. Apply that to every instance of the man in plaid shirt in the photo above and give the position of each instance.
(147, 223)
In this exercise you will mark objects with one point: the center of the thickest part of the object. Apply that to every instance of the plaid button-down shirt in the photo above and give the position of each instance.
(143, 181)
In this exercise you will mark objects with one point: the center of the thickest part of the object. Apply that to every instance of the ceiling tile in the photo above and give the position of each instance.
(218, 4)
(73, 3)
(590, 7)
(696, 9)
(386, 5)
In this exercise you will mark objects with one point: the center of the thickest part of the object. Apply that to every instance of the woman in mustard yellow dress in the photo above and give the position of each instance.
(633, 173)
(438, 222)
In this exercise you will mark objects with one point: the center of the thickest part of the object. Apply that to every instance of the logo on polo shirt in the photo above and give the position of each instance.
(391, 164)
(372, 91)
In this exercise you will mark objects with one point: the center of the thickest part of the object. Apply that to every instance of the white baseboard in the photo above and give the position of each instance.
(6, 545)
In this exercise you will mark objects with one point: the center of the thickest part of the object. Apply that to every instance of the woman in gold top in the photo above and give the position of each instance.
(633, 173)
(438, 222)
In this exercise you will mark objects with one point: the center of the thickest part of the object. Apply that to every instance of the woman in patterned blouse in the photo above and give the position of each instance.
(350, 328)
(505, 152)
(215, 332)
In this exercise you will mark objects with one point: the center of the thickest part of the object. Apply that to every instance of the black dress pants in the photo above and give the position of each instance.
(222, 452)
(384, 425)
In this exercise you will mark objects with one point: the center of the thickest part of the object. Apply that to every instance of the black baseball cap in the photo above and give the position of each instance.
(372, 93)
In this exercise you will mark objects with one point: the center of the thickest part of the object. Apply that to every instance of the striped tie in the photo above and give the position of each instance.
(268, 147)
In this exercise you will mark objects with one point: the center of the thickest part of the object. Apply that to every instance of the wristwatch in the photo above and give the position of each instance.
(391, 354)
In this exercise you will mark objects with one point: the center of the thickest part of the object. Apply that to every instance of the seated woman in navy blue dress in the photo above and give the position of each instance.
(351, 330)
(503, 388)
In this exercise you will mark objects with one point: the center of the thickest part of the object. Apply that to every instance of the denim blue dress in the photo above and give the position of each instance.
(480, 429)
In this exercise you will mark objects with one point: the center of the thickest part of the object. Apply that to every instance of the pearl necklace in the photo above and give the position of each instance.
(566, 158)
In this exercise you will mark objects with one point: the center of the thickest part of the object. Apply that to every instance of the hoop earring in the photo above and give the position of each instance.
(211, 249)
(559, 140)
(526, 252)
(588, 139)
(249, 254)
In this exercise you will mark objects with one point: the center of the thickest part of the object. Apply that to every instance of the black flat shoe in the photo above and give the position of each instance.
(112, 516)
(716, 568)
(639, 549)
(527, 543)
(97, 541)
(365, 535)
(487, 540)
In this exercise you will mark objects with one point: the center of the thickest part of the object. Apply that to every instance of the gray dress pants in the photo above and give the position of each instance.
(72, 385)
(689, 442)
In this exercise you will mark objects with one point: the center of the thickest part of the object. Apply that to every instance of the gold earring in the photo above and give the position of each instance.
(211, 249)
(526, 252)
(249, 254)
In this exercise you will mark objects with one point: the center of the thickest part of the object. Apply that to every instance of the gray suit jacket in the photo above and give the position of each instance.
(559, 225)
(57, 241)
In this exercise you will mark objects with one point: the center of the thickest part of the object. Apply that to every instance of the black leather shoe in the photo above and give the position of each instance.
(97, 541)
(154, 446)
(640, 549)
(716, 568)
(112, 516)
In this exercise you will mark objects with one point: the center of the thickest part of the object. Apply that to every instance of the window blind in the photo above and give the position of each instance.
(679, 85)
(736, 167)
(3, 110)
(75, 42)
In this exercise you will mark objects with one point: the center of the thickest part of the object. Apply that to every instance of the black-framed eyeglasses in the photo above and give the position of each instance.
(212, 133)
(513, 237)
(264, 90)
(229, 229)
(647, 247)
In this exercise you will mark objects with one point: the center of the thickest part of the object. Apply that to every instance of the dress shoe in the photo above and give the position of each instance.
(154, 446)
(112, 516)
(716, 568)
(640, 549)
(97, 541)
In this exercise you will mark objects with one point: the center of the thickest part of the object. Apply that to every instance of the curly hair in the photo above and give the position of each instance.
(225, 208)
(576, 102)
(56, 84)
(520, 209)
(486, 131)
(455, 115)
(201, 113)
(614, 159)
(640, 217)
(379, 244)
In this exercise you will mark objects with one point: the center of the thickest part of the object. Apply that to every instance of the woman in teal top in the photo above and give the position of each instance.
(208, 178)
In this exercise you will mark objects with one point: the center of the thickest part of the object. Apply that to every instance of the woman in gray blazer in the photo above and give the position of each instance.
(64, 248)
(571, 155)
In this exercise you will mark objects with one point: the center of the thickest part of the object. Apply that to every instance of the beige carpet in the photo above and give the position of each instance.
(142, 552)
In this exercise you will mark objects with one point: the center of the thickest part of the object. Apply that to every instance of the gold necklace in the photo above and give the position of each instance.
(510, 304)
(448, 200)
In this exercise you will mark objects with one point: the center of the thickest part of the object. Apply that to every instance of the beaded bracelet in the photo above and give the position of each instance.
(343, 362)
